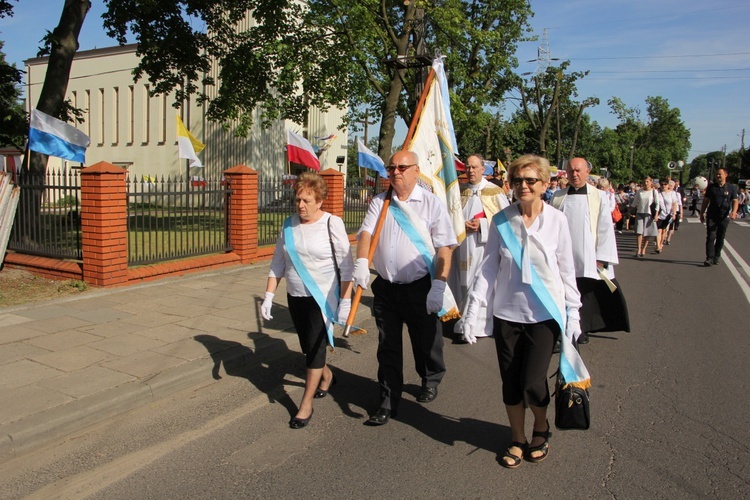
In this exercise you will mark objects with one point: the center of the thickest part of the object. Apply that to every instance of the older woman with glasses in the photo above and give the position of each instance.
(529, 267)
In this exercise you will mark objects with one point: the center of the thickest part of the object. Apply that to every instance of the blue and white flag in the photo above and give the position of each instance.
(54, 137)
(369, 160)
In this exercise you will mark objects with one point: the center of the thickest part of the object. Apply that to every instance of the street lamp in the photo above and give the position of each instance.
(632, 151)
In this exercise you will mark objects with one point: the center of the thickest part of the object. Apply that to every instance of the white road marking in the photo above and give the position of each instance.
(737, 276)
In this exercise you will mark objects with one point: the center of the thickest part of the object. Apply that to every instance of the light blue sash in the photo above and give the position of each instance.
(568, 353)
(411, 232)
(329, 315)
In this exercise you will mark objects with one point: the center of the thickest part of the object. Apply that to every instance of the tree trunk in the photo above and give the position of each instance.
(64, 44)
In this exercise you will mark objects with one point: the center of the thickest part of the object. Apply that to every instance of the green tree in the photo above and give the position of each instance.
(550, 96)
(12, 116)
(322, 53)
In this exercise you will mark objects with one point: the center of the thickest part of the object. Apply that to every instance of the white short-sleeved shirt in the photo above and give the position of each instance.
(318, 245)
(396, 258)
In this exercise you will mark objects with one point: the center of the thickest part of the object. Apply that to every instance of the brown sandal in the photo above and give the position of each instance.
(543, 448)
(514, 461)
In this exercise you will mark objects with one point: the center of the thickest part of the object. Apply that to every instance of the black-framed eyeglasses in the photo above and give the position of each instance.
(401, 168)
(530, 181)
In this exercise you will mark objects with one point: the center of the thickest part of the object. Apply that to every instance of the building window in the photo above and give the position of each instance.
(101, 117)
(131, 111)
(163, 121)
(115, 115)
(146, 115)
(87, 111)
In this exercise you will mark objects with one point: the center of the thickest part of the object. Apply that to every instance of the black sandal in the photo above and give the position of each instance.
(515, 460)
(544, 447)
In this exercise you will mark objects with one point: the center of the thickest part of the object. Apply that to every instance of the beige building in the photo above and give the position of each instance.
(129, 128)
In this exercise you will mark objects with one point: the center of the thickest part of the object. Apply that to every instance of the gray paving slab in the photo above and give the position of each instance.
(88, 381)
(21, 402)
(212, 323)
(18, 350)
(9, 319)
(43, 312)
(148, 317)
(92, 303)
(25, 372)
(187, 349)
(143, 364)
(57, 324)
(15, 333)
(112, 329)
(126, 344)
(63, 340)
(73, 359)
(100, 315)
(172, 332)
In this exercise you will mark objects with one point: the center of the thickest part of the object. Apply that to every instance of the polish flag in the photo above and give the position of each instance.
(300, 151)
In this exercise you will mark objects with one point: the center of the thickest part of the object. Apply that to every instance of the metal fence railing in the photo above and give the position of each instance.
(357, 196)
(47, 220)
(275, 204)
(173, 218)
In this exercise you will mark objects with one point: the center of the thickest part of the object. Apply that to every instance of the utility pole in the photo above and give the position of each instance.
(724, 156)
(366, 122)
(742, 150)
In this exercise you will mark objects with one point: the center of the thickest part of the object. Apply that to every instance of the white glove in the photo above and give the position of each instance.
(573, 329)
(361, 275)
(343, 312)
(435, 296)
(469, 320)
(265, 307)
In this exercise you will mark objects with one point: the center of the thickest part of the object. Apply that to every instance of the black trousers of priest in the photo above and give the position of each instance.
(602, 310)
(395, 305)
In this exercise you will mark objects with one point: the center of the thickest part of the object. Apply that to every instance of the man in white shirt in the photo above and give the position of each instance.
(405, 291)
(481, 200)
(594, 252)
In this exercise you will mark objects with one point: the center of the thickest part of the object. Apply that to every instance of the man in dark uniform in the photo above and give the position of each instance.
(722, 202)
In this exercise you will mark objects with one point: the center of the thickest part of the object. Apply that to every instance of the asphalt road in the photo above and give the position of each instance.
(667, 412)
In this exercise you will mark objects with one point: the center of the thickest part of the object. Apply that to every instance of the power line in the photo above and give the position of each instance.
(661, 57)
(673, 70)
(675, 78)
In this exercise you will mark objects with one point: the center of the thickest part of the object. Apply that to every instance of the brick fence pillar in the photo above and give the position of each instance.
(243, 211)
(334, 203)
(104, 224)
(383, 184)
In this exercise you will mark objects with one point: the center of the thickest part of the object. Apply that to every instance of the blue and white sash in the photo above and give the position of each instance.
(323, 288)
(413, 226)
(536, 274)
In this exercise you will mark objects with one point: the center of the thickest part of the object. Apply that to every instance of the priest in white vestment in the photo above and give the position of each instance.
(594, 252)
(481, 200)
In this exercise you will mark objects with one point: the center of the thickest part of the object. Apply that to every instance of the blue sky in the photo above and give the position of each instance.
(696, 54)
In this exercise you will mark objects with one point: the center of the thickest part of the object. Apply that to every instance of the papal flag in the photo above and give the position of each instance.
(188, 144)
(434, 141)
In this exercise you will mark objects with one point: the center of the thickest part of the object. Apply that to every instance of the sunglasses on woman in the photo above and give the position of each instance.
(530, 181)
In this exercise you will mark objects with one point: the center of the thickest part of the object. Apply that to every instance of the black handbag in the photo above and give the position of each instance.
(571, 407)
(653, 207)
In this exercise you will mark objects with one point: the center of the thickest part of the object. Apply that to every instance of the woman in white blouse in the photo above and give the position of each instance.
(529, 265)
(314, 256)
(645, 227)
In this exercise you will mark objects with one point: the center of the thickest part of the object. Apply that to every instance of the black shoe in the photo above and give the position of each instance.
(707, 263)
(583, 338)
(715, 260)
(381, 417)
(427, 395)
(299, 423)
(320, 393)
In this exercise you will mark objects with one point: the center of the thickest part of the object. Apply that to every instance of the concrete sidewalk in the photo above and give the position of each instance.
(70, 363)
